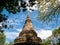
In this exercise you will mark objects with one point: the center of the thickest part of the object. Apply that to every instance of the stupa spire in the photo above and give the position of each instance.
(28, 16)
(28, 24)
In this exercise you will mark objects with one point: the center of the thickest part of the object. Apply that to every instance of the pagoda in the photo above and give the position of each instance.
(28, 36)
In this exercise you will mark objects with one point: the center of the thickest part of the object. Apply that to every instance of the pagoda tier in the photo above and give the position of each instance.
(28, 36)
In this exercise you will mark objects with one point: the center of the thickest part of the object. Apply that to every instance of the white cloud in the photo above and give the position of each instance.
(43, 34)
(11, 35)
(34, 7)
(27, 1)
(0, 24)
(19, 30)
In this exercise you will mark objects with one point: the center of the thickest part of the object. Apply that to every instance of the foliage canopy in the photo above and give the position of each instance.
(48, 10)
(2, 38)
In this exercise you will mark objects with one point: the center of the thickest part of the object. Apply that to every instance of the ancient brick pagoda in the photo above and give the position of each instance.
(28, 36)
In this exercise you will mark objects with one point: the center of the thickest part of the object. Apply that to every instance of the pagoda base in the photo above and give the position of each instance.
(27, 43)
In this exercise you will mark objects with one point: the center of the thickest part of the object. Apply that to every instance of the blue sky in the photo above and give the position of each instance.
(17, 20)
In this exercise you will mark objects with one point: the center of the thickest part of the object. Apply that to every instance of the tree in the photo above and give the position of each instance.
(11, 43)
(2, 38)
(48, 42)
(48, 10)
(14, 6)
(55, 37)
(56, 32)
(3, 18)
(58, 42)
